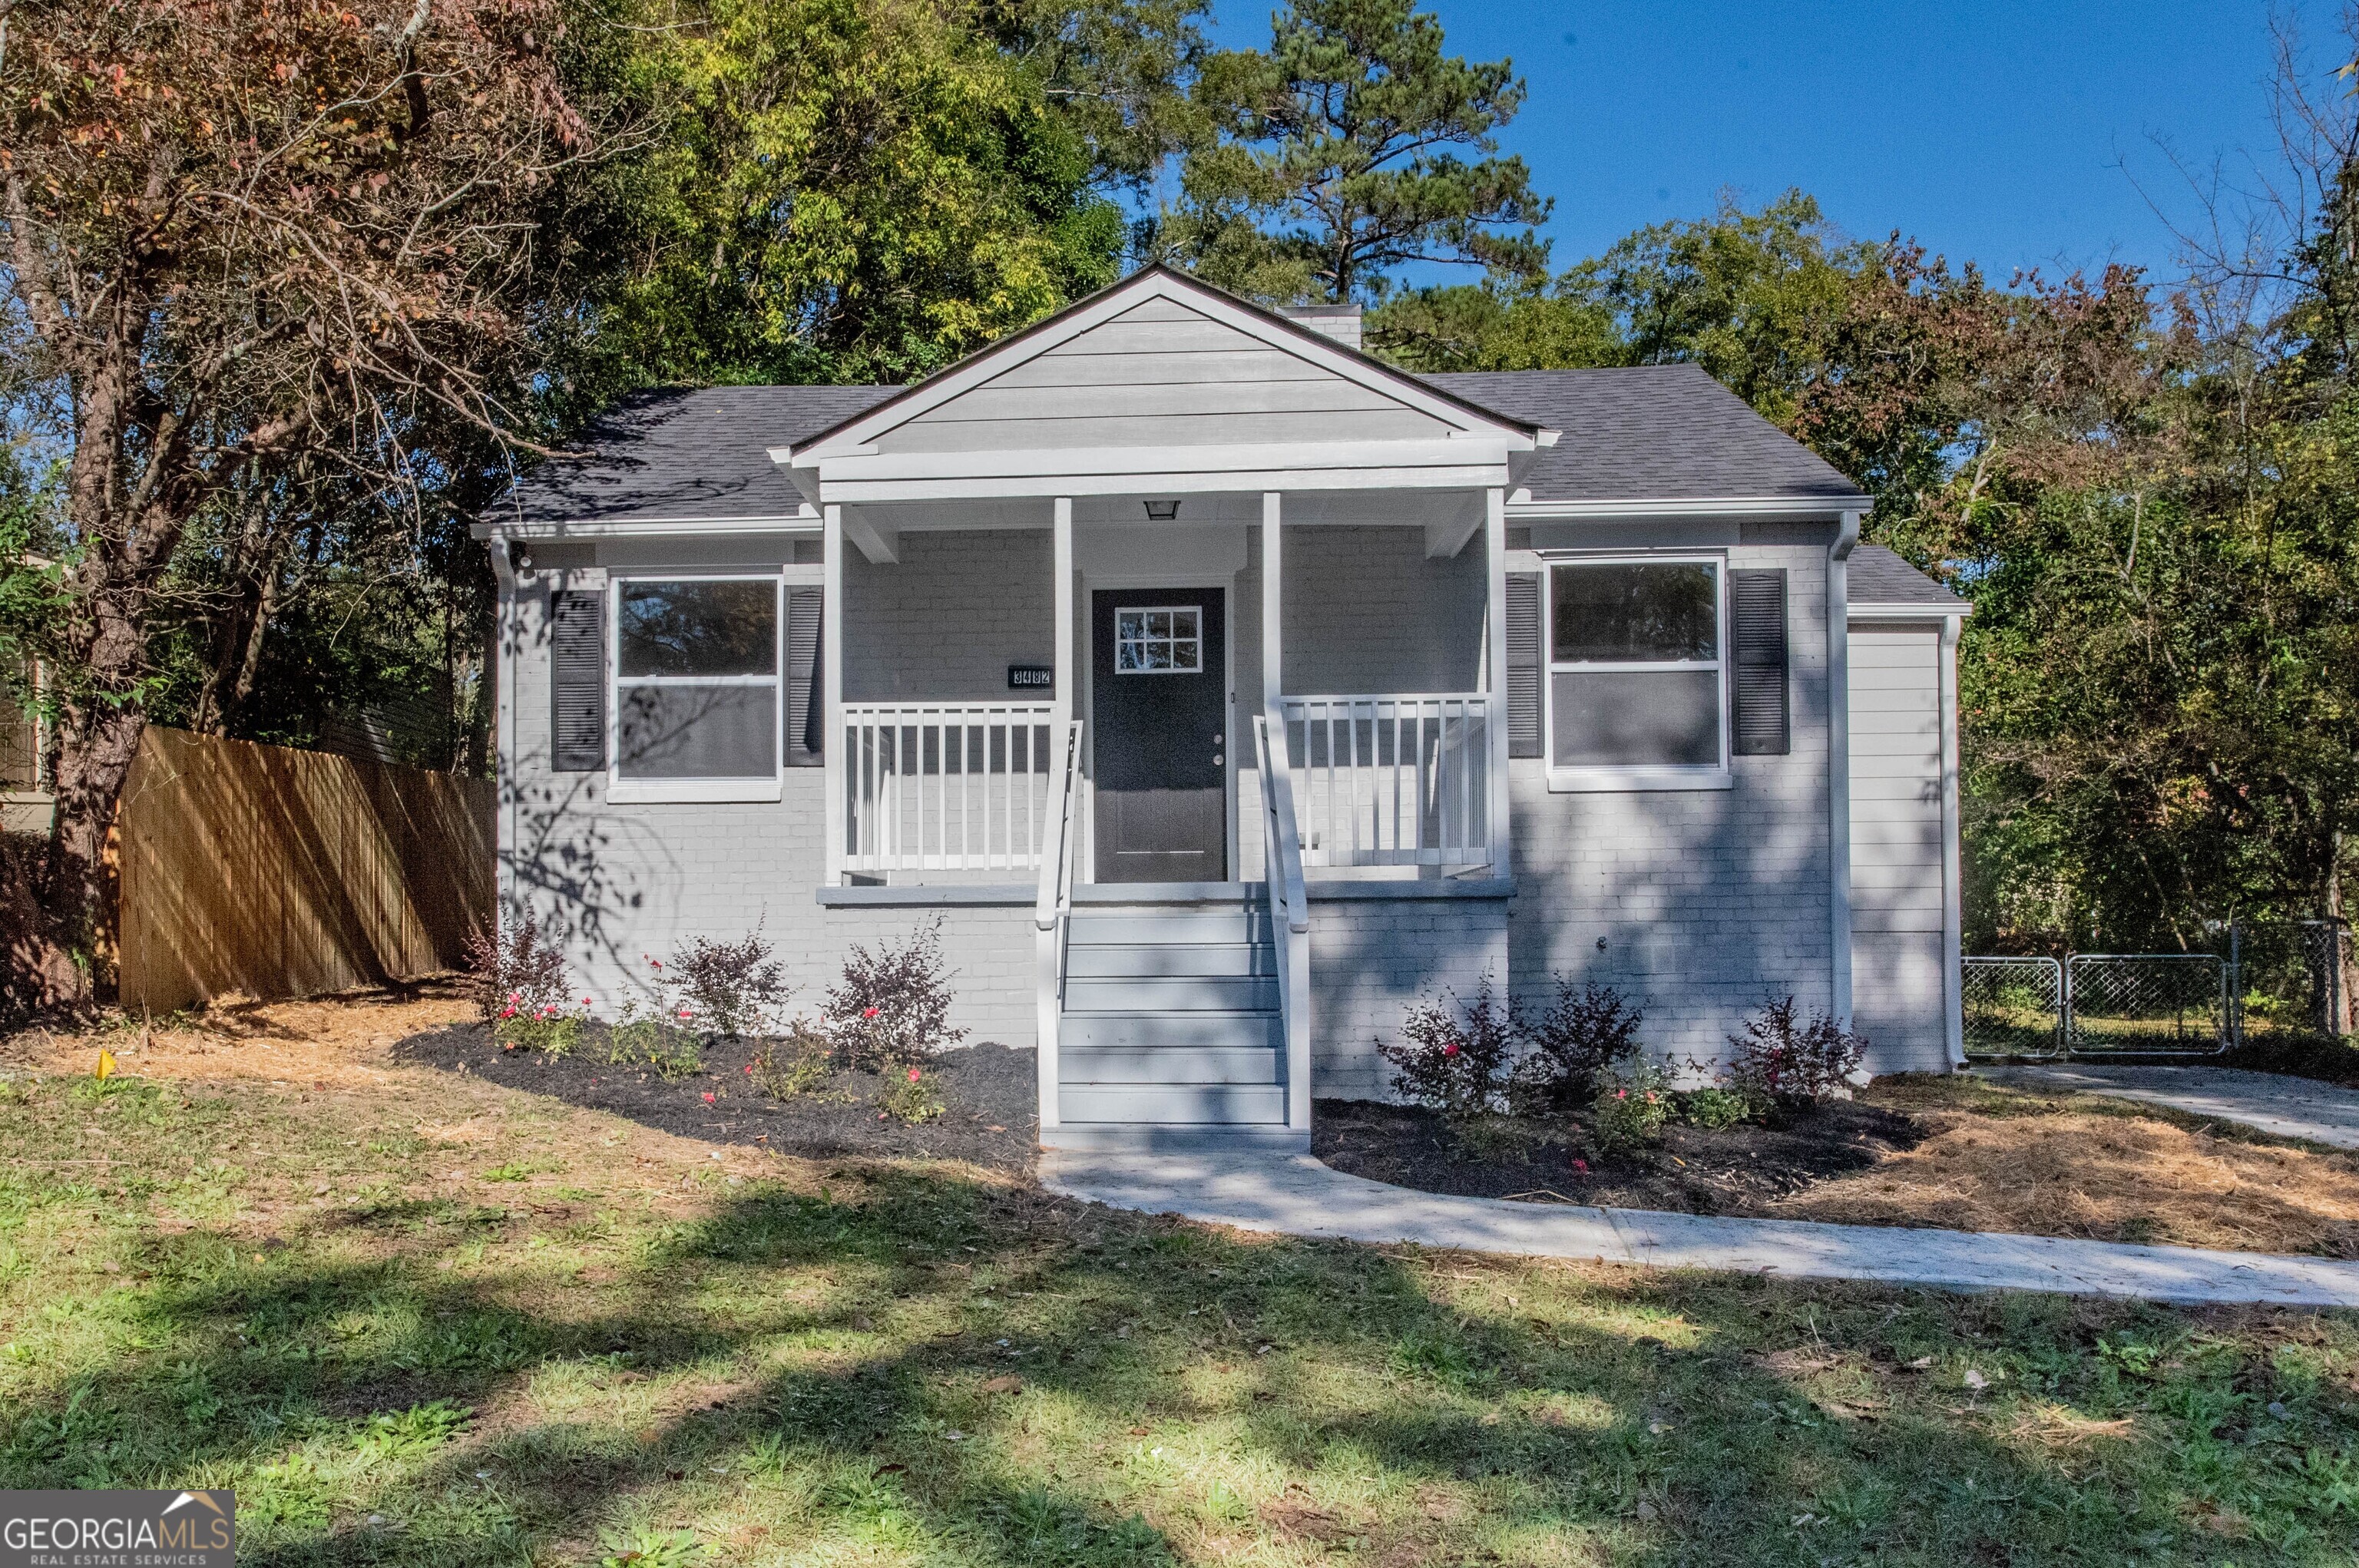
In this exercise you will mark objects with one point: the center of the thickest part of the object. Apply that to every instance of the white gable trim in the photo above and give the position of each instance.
(1156, 283)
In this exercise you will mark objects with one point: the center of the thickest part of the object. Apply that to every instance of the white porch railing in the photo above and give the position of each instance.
(945, 786)
(1289, 922)
(1397, 780)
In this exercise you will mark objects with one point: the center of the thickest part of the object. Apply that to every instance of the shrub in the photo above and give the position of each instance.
(514, 972)
(654, 1043)
(1780, 1055)
(892, 1008)
(910, 1095)
(1633, 1105)
(735, 987)
(549, 1029)
(1456, 1055)
(798, 1063)
(1714, 1107)
(1581, 1034)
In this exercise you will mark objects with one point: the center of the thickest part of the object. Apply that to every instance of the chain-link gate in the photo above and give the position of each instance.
(2159, 1004)
(2164, 1004)
(2014, 1006)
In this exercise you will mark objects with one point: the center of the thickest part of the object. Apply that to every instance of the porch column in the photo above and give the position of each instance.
(1495, 674)
(1069, 704)
(830, 652)
(1272, 653)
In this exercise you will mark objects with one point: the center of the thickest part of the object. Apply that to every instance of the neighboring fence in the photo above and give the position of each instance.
(2273, 978)
(265, 872)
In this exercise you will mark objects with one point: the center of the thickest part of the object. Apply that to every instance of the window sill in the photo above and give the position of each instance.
(1633, 781)
(687, 791)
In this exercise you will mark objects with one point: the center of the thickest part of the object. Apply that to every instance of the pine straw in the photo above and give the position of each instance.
(2075, 1165)
(339, 1041)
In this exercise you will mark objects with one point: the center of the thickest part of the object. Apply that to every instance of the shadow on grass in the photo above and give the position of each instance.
(815, 1371)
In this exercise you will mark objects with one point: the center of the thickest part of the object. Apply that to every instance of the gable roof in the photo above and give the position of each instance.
(1653, 432)
(1157, 280)
(1882, 579)
(686, 456)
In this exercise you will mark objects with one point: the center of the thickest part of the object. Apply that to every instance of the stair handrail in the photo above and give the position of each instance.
(1056, 894)
(1282, 859)
(1051, 910)
(1283, 843)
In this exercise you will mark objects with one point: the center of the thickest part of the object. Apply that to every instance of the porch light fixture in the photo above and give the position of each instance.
(1162, 511)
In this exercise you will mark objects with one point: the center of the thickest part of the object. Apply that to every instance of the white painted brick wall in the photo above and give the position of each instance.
(1371, 961)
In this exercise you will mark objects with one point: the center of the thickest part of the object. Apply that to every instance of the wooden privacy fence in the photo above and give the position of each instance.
(265, 872)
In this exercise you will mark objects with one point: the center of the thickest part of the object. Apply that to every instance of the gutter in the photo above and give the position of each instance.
(1839, 769)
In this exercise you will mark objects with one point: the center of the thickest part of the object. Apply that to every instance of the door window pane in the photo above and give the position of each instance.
(1151, 641)
(1636, 718)
(699, 628)
(1631, 613)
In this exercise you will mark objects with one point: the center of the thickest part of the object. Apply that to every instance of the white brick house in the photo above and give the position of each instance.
(1560, 672)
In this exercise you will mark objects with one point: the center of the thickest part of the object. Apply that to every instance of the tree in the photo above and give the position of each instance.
(242, 235)
(855, 190)
(1338, 157)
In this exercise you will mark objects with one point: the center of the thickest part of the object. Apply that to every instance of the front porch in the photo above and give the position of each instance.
(1169, 864)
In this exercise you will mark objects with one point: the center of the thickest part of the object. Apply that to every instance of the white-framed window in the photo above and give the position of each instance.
(1158, 639)
(699, 703)
(1637, 686)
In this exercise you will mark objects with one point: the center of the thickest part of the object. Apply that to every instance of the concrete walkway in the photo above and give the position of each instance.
(2270, 1101)
(1296, 1195)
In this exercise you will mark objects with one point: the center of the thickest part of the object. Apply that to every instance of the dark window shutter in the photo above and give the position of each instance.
(806, 698)
(577, 640)
(1524, 729)
(1761, 724)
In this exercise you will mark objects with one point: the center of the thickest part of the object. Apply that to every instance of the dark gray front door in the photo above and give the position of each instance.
(1159, 686)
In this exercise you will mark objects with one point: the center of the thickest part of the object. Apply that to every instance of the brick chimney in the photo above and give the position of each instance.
(1341, 322)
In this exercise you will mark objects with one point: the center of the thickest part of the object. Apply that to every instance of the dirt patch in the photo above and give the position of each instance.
(989, 1092)
(1698, 1171)
(1950, 1152)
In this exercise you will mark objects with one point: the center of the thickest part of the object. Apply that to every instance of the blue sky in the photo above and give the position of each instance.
(1997, 131)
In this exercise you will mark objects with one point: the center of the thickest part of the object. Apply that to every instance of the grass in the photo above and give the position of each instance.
(412, 1318)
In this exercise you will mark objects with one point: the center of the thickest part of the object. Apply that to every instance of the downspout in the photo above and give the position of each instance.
(504, 694)
(1839, 767)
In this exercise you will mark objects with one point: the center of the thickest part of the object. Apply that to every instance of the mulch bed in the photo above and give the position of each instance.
(988, 1092)
(1731, 1171)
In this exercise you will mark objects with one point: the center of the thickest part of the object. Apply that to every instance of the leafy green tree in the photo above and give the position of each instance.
(859, 190)
(1343, 153)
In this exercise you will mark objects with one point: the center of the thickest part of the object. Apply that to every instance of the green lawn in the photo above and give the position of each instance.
(438, 1323)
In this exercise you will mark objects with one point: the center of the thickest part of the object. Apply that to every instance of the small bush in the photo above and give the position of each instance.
(550, 1032)
(1714, 1107)
(735, 987)
(1780, 1055)
(799, 1063)
(1582, 1033)
(1632, 1108)
(910, 1095)
(1456, 1055)
(892, 1009)
(515, 972)
(654, 1043)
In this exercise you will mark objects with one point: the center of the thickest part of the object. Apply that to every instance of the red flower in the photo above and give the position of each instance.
(913, 1074)
(1621, 1094)
(869, 1013)
(1451, 1050)
(749, 1070)
(708, 1099)
(585, 1001)
(1580, 1165)
(507, 1012)
(685, 1012)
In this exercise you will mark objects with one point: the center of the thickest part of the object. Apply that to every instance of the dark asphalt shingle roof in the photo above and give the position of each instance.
(1653, 432)
(1647, 433)
(1878, 576)
(703, 454)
